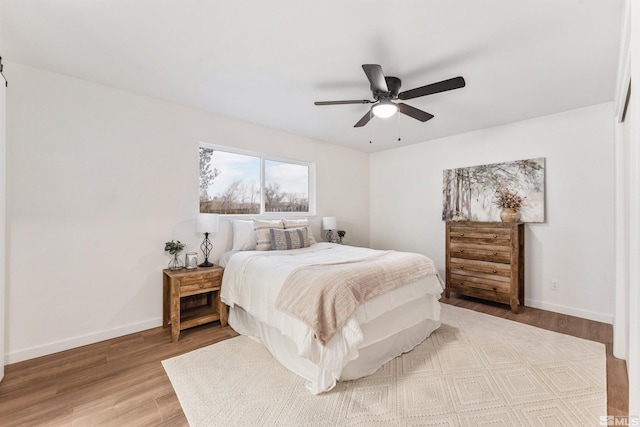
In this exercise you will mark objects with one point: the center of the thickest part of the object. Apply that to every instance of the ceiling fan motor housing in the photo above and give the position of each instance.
(393, 86)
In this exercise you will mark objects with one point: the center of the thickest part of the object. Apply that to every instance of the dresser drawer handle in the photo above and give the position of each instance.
(461, 234)
(461, 250)
(495, 253)
(462, 267)
(495, 271)
(495, 236)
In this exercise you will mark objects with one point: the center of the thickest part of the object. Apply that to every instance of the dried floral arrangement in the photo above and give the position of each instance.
(506, 199)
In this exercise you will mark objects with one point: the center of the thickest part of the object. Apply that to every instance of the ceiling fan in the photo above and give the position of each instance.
(385, 89)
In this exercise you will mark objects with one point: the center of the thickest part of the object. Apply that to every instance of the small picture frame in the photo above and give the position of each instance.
(191, 260)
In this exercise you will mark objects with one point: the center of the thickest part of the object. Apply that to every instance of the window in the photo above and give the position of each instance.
(239, 183)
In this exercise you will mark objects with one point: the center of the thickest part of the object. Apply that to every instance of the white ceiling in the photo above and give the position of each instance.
(267, 61)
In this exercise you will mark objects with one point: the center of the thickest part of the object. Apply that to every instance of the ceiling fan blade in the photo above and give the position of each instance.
(376, 78)
(355, 101)
(417, 114)
(364, 120)
(443, 86)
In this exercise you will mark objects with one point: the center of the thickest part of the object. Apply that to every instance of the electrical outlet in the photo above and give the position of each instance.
(555, 284)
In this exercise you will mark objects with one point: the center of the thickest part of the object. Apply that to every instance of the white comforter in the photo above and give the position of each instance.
(253, 279)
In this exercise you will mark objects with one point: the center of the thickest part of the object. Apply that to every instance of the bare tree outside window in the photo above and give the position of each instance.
(286, 187)
(230, 183)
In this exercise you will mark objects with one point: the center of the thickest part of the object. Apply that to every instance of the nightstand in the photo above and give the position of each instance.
(177, 285)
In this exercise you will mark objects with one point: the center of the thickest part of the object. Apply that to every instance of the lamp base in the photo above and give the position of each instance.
(206, 264)
(332, 237)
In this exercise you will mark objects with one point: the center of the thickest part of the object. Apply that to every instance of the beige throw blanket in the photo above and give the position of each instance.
(325, 296)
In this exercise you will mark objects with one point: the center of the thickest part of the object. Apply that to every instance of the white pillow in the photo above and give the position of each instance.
(244, 236)
(296, 223)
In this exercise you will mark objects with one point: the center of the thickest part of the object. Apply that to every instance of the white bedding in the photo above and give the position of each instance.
(252, 280)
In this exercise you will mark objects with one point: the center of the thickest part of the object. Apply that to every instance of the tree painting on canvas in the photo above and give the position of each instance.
(470, 193)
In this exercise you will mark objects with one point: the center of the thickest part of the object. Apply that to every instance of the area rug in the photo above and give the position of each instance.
(475, 370)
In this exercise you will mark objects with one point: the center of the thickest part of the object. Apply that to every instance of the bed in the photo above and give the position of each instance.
(380, 328)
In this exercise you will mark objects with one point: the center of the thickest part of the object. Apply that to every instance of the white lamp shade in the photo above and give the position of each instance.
(384, 109)
(207, 223)
(329, 223)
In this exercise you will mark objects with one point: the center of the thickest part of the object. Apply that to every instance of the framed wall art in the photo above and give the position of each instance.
(479, 193)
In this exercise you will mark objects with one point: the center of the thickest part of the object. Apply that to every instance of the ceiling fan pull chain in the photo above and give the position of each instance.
(370, 132)
(398, 120)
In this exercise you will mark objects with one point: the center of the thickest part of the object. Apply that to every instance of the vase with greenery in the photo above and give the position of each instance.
(174, 248)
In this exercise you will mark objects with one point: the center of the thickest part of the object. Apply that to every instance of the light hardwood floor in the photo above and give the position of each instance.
(121, 382)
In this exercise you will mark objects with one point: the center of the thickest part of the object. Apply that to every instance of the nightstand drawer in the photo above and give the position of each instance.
(189, 286)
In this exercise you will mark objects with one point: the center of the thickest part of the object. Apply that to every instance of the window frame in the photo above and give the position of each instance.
(264, 157)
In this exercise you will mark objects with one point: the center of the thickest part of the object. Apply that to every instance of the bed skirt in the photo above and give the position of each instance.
(385, 337)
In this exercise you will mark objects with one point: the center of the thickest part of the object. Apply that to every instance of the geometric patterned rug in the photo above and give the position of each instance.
(475, 370)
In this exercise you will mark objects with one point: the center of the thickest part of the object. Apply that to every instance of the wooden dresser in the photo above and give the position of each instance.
(486, 260)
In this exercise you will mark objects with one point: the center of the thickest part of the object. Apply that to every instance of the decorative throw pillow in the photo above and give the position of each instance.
(295, 223)
(293, 238)
(244, 236)
(263, 240)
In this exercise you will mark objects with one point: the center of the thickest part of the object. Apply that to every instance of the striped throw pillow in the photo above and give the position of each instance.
(292, 238)
(296, 223)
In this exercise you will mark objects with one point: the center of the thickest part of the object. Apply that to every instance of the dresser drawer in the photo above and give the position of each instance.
(474, 267)
(490, 282)
(488, 235)
(482, 252)
(478, 292)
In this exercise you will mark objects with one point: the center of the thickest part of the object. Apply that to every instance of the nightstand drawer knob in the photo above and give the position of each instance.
(461, 234)
(495, 236)
(495, 271)
(461, 250)
(462, 267)
(201, 285)
(495, 289)
(495, 253)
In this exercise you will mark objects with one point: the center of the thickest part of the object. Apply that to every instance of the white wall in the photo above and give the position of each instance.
(626, 326)
(3, 166)
(576, 243)
(98, 179)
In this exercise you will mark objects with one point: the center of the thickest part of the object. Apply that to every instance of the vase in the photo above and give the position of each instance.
(175, 263)
(508, 215)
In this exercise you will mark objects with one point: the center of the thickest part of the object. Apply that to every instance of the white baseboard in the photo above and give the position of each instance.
(55, 347)
(571, 311)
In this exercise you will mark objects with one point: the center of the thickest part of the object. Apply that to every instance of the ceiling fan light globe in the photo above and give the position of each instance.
(384, 109)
